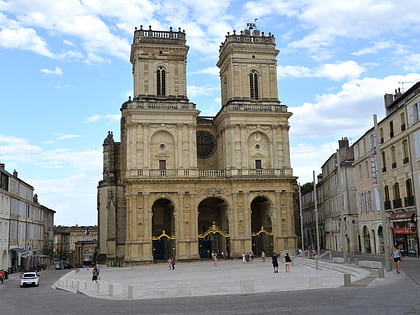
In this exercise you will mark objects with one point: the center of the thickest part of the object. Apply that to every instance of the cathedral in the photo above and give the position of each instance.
(183, 185)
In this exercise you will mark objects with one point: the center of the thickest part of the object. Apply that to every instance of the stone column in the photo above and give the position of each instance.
(274, 147)
(244, 147)
(145, 144)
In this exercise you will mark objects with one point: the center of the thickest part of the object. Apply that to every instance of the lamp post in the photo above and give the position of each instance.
(301, 218)
(316, 217)
(387, 250)
(342, 220)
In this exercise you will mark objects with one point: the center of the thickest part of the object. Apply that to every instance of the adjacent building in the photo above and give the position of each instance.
(26, 225)
(180, 184)
(379, 172)
(75, 244)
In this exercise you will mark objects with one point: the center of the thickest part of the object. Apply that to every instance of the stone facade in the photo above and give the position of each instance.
(75, 244)
(26, 226)
(180, 184)
(380, 171)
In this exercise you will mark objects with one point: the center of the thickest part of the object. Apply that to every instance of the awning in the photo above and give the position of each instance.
(401, 217)
(20, 251)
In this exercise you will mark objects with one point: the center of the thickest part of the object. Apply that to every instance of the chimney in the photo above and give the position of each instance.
(2, 166)
(15, 173)
(388, 100)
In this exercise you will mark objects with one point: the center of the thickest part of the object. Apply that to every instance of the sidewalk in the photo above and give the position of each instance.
(203, 278)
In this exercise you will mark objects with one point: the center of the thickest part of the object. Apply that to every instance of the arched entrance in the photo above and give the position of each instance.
(261, 227)
(213, 227)
(366, 240)
(163, 230)
(381, 240)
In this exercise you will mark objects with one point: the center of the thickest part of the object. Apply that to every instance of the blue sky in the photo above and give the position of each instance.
(65, 71)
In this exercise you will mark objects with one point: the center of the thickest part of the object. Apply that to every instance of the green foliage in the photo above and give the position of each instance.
(307, 187)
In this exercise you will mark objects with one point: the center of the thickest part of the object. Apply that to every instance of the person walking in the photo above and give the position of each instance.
(95, 274)
(275, 263)
(173, 263)
(396, 253)
(170, 263)
(287, 262)
(263, 256)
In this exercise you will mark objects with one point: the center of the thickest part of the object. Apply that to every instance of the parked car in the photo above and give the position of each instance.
(29, 278)
(57, 265)
(68, 265)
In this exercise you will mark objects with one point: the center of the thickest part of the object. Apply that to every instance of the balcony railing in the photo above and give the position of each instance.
(409, 201)
(194, 173)
(397, 203)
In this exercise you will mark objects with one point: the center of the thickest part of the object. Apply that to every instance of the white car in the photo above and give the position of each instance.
(29, 278)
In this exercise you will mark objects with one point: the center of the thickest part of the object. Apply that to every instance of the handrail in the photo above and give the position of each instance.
(318, 257)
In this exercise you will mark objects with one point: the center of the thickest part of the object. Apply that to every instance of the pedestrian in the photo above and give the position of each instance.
(262, 256)
(243, 258)
(275, 263)
(95, 274)
(287, 261)
(173, 263)
(214, 256)
(170, 263)
(396, 253)
(98, 269)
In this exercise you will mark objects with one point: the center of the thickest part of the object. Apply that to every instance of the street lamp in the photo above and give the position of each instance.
(387, 251)
(316, 216)
(301, 218)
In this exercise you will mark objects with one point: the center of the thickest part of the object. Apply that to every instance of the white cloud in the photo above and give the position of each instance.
(96, 118)
(194, 91)
(56, 71)
(356, 103)
(375, 48)
(209, 70)
(340, 71)
(65, 137)
(412, 62)
(64, 192)
(24, 39)
(345, 70)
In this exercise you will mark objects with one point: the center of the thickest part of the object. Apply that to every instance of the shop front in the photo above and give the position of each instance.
(405, 233)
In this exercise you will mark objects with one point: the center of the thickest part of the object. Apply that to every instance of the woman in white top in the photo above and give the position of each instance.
(397, 258)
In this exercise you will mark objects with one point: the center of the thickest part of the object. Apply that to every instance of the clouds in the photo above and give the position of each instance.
(62, 177)
(337, 72)
(66, 71)
(56, 71)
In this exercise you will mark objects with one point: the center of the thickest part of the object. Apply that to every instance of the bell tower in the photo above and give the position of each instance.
(247, 63)
(159, 64)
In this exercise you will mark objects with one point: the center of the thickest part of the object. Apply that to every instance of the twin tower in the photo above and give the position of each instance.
(187, 186)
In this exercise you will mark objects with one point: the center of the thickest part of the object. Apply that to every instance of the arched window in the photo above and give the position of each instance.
(409, 187)
(386, 193)
(396, 191)
(253, 85)
(161, 82)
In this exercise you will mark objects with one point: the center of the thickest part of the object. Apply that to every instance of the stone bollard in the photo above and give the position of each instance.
(247, 286)
(102, 288)
(315, 282)
(183, 289)
(347, 280)
(115, 289)
(134, 291)
(381, 273)
(356, 261)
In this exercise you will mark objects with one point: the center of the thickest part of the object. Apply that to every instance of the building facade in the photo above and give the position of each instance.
(339, 200)
(4, 218)
(180, 184)
(26, 225)
(75, 244)
(383, 176)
